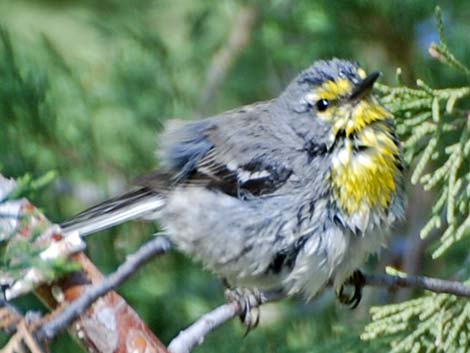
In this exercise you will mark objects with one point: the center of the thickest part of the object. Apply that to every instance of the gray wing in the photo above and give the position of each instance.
(235, 153)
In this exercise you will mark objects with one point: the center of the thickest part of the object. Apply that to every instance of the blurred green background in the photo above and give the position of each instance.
(86, 85)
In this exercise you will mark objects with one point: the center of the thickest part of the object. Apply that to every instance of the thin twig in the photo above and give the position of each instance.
(225, 58)
(156, 246)
(435, 285)
(194, 335)
(29, 339)
(10, 316)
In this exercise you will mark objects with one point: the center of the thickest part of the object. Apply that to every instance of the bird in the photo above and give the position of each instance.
(290, 194)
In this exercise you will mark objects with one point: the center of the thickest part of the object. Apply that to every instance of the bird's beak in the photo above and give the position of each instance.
(364, 87)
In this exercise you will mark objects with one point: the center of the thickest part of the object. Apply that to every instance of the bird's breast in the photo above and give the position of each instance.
(364, 173)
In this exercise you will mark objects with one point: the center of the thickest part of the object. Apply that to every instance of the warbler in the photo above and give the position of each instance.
(288, 194)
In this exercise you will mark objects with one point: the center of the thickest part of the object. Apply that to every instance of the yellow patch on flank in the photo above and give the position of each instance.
(365, 179)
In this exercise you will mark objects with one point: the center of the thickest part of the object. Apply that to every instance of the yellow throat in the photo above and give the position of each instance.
(365, 162)
(364, 171)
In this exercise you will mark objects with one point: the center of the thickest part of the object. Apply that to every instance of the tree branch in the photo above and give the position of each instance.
(194, 335)
(156, 246)
(431, 284)
(34, 277)
(124, 320)
(109, 324)
(223, 60)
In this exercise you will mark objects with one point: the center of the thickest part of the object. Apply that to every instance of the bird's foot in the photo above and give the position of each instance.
(352, 299)
(249, 301)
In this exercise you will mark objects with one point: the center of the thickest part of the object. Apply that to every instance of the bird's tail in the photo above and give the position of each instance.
(131, 205)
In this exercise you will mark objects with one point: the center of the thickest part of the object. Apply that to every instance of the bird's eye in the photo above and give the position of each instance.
(322, 105)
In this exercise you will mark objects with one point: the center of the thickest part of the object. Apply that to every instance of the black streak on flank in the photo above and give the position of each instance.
(286, 257)
(314, 149)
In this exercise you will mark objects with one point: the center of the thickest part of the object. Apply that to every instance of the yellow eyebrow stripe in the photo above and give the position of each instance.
(362, 74)
(334, 89)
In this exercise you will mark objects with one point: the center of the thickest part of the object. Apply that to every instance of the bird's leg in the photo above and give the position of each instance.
(249, 300)
(358, 281)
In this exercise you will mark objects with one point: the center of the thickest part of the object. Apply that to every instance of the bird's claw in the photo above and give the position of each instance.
(353, 300)
(249, 301)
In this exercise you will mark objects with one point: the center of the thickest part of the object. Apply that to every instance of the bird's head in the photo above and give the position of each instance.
(337, 94)
(331, 105)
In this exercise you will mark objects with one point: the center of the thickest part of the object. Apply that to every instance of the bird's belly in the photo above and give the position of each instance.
(358, 250)
(239, 242)
(230, 238)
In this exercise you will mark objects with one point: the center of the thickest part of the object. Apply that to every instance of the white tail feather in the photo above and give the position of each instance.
(114, 212)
